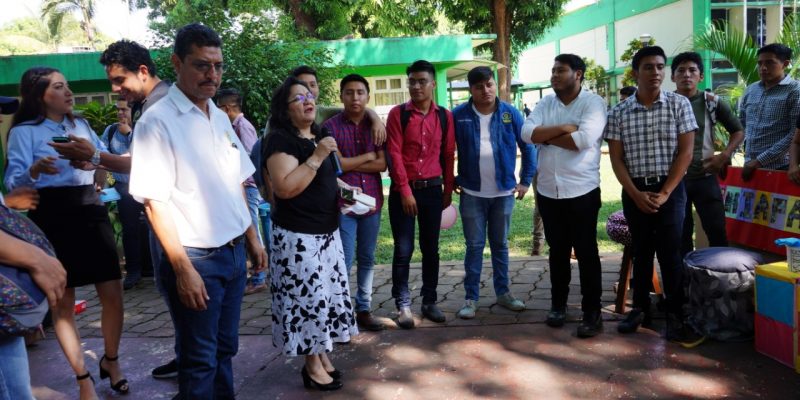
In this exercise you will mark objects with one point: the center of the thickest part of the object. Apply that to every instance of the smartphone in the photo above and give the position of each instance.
(346, 194)
(60, 139)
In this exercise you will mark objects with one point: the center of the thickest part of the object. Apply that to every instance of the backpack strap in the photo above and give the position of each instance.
(405, 115)
(443, 123)
(712, 101)
(112, 130)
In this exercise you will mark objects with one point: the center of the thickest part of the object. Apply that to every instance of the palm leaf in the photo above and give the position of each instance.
(736, 46)
(790, 36)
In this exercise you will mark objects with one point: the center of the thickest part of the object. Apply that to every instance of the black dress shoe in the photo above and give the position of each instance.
(633, 320)
(310, 383)
(431, 312)
(591, 325)
(367, 322)
(556, 317)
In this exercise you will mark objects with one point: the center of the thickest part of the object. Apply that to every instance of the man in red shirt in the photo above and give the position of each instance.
(421, 147)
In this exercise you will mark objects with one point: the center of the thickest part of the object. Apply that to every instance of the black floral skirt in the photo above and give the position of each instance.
(311, 305)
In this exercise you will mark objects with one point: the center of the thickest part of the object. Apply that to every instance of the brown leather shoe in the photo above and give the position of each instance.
(367, 322)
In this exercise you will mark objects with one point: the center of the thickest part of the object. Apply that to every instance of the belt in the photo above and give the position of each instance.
(650, 180)
(235, 241)
(425, 183)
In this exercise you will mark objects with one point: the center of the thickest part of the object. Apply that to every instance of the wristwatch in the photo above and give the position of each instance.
(95, 160)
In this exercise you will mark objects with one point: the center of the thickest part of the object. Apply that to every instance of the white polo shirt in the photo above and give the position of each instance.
(562, 173)
(196, 166)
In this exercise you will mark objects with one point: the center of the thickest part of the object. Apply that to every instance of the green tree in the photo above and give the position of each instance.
(256, 61)
(53, 11)
(30, 35)
(633, 46)
(335, 19)
(517, 24)
(596, 77)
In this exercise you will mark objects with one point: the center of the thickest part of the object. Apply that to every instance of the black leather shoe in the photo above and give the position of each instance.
(367, 322)
(310, 383)
(591, 325)
(556, 317)
(632, 321)
(405, 319)
(431, 312)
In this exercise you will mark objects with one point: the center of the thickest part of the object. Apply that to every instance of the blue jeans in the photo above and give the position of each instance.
(706, 196)
(15, 379)
(208, 339)
(253, 200)
(360, 235)
(131, 216)
(429, 215)
(476, 214)
(657, 234)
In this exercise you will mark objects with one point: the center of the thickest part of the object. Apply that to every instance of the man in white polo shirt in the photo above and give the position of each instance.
(188, 168)
(568, 127)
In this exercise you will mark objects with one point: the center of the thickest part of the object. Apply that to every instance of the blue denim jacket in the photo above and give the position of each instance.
(505, 130)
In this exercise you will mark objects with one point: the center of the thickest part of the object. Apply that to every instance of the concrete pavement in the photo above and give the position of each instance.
(499, 354)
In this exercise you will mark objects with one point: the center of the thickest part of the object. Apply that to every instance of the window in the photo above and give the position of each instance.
(757, 25)
(84, 98)
(390, 91)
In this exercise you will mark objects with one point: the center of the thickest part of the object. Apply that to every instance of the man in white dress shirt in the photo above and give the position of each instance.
(568, 127)
(188, 169)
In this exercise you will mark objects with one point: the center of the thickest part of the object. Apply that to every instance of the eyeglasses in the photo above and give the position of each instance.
(204, 68)
(302, 98)
(415, 82)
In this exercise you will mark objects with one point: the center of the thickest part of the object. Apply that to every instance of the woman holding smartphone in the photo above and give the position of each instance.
(70, 214)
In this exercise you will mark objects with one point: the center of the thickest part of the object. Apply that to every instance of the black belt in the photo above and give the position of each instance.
(425, 183)
(650, 180)
(235, 241)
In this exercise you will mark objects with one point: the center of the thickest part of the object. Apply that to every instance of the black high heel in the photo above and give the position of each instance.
(335, 374)
(120, 386)
(312, 384)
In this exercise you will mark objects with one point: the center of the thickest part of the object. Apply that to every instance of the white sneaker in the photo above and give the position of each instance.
(508, 301)
(468, 311)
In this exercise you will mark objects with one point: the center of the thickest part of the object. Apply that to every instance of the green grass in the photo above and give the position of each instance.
(451, 241)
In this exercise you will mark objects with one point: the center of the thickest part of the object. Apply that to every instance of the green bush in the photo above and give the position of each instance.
(99, 116)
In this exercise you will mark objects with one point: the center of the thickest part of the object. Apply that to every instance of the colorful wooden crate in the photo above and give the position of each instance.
(777, 318)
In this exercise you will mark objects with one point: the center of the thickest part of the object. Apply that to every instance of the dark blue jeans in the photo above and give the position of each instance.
(572, 223)
(657, 234)
(208, 339)
(706, 196)
(429, 215)
(131, 216)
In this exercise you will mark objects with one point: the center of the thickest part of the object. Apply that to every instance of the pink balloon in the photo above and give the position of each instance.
(449, 216)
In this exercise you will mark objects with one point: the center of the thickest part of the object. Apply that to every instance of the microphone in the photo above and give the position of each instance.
(337, 165)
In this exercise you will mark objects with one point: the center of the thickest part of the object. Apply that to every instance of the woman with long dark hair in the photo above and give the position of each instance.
(311, 307)
(70, 214)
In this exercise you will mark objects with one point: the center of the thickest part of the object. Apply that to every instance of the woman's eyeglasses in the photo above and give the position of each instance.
(302, 98)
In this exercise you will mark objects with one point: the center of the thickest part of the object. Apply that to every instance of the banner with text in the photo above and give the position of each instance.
(761, 210)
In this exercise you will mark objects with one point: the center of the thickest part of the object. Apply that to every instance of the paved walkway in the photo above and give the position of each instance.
(499, 354)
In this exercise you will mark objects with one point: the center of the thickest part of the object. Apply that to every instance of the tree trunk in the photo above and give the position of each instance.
(88, 27)
(501, 48)
(302, 21)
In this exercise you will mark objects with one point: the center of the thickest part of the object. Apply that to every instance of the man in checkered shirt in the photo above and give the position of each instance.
(769, 110)
(650, 138)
